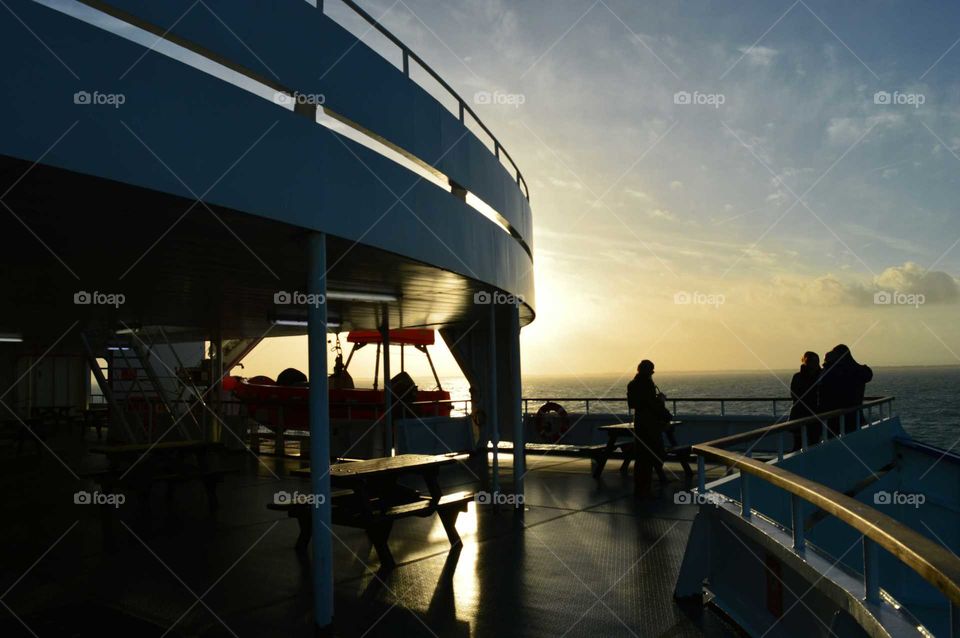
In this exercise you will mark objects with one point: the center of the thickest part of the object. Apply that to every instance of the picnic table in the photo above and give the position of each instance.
(623, 436)
(24, 430)
(366, 494)
(139, 465)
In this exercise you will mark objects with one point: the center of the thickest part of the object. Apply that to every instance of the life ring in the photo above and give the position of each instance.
(544, 427)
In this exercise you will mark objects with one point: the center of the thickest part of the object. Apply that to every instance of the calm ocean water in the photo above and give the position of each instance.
(927, 399)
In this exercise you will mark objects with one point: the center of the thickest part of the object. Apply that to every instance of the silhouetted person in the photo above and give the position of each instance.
(805, 392)
(843, 384)
(650, 419)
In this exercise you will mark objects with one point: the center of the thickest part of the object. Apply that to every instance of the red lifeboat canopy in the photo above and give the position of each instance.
(407, 336)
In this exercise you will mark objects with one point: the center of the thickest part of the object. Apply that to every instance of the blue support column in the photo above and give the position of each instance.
(493, 421)
(516, 408)
(319, 403)
(389, 436)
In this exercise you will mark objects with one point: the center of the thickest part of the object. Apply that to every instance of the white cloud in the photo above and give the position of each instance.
(676, 185)
(936, 286)
(758, 55)
(847, 130)
(659, 213)
(637, 194)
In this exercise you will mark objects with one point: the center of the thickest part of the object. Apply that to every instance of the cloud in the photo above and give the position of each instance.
(562, 183)
(759, 55)
(847, 130)
(936, 286)
(676, 185)
(660, 213)
(637, 194)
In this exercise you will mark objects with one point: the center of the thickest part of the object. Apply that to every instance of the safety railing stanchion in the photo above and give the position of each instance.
(871, 571)
(701, 475)
(744, 495)
(796, 510)
(804, 442)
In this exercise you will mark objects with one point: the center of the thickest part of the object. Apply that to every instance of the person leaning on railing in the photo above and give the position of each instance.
(842, 385)
(650, 419)
(805, 392)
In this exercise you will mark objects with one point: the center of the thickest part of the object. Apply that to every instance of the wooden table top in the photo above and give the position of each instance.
(626, 426)
(132, 448)
(387, 465)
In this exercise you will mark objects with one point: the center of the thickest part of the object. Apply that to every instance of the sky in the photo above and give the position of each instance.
(715, 185)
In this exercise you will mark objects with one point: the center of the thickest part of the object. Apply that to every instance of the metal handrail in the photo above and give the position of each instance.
(934, 563)
(721, 400)
(409, 54)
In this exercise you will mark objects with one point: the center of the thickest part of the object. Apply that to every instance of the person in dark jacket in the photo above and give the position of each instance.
(805, 392)
(843, 384)
(650, 418)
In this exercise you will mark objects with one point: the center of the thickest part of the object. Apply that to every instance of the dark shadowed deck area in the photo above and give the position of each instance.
(587, 560)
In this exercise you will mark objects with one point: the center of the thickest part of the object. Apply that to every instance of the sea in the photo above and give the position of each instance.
(926, 398)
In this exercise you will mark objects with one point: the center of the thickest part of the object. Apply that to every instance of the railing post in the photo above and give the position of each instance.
(744, 495)
(843, 425)
(857, 420)
(796, 510)
(701, 475)
(804, 442)
(496, 149)
(406, 63)
(674, 407)
(588, 406)
(463, 119)
(722, 408)
(780, 447)
(871, 571)
(774, 408)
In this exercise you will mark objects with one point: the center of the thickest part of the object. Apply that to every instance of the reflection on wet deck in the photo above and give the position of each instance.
(587, 560)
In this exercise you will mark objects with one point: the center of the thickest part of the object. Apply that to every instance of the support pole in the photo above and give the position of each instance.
(516, 410)
(492, 420)
(319, 404)
(389, 437)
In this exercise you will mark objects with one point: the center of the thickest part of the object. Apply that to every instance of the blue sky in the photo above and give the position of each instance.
(779, 213)
(715, 185)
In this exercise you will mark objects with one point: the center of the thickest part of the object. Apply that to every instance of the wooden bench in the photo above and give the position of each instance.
(301, 512)
(377, 499)
(622, 436)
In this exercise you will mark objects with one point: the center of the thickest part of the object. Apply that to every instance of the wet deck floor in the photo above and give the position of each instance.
(587, 559)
